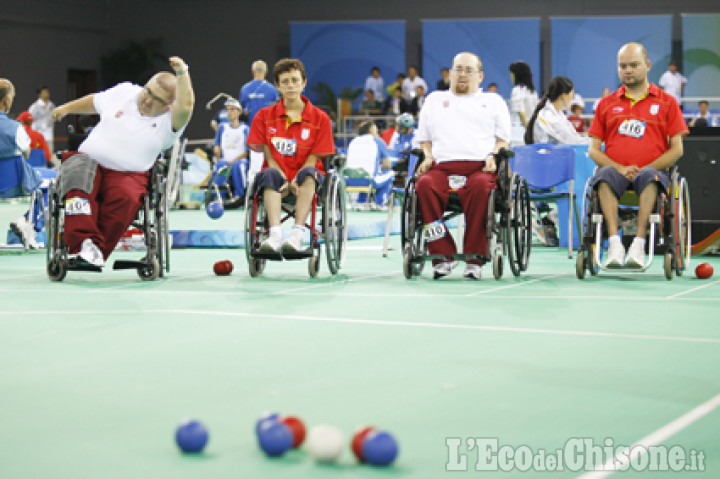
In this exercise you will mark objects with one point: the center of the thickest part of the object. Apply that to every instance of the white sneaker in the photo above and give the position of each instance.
(616, 255)
(635, 256)
(294, 242)
(90, 253)
(271, 244)
(24, 230)
(473, 271)
(443, 269)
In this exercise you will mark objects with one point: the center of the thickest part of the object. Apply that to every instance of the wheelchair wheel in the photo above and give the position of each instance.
(256, 267)
(150, 271)
(519, 229)
(56, 269)
(314, 265)
(580, 264)
(255, 231)
(161, 223)
(334, 224)
(409, 220)
(680, 227)
(497, 263)
(669, 265)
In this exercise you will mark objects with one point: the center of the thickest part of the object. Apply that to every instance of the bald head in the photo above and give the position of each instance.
(633, 49)
(466, 73)
(7, 94)
(633, 67)
(259, 69)
(167, 81)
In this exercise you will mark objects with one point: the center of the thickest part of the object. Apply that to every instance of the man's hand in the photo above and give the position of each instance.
(58, 113)
(629, 172)
(490, 164)
(424, 166)
(178, 65)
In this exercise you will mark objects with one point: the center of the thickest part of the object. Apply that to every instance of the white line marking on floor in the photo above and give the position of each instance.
(373, 322)
(514, 285)
(622, 459)
(692, 290)
(332, 283)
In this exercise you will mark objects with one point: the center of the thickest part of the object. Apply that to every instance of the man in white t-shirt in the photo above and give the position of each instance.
(136, 125)
(411, 82)
(459, 131)
(41, 111)
(673, 82)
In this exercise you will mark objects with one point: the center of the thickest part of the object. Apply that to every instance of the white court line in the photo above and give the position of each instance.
(344, 281)
(373, 322)
(514, 285)
(622, 459)
(677, 295)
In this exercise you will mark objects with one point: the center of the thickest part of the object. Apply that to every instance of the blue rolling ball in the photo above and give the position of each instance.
(380, 448)
(215, 209)
(275, 438)
(269, 416)
(191, 436)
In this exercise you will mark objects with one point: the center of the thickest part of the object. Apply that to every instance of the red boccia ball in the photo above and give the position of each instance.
(228, 266)
(297, 427)
(357, 441)
(222, 268)
(703, 271)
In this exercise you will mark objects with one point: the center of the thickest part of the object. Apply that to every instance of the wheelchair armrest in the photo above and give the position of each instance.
(338, 162)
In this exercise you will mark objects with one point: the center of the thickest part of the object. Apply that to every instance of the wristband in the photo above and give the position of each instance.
(182, 72)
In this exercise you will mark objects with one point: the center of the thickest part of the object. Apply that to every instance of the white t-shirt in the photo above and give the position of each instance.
(408, 86)
(552, 126)
(125, 140)
(463, 127)
(522, 100)
(231, 140)
(672, 83)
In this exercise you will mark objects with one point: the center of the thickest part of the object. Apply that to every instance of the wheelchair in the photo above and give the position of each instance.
(330, 228)
(669, 229)
(509, 224)
(152, 220)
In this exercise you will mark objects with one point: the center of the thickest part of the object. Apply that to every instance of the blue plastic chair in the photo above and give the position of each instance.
(37, 158)
(549, 170)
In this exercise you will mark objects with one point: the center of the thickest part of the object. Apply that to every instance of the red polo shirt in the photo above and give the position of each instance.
(637, 132)
(291, 143)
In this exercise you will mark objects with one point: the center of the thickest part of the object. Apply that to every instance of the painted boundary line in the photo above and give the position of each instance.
(692, 290)
(373, 322)
(653, 439)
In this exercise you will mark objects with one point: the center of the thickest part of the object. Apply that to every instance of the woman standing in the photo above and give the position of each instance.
(523, 100)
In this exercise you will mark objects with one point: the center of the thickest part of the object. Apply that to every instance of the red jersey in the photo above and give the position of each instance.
(637, 132)
(291, 143)
(37, 141)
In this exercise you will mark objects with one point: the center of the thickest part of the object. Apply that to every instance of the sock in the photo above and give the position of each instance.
(299, 228)
(276, 231)
(614, 239)
(639, 241)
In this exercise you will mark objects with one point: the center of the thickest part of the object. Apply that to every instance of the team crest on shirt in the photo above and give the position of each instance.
(654, 109)
(272, 130)
(305, 133)
(617, 109)
(446, 103)
(119, 114)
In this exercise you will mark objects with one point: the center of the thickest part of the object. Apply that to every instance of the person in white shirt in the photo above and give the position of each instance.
(523, 100)
(459, 131)
(704, 113)
(230, 149)
(673, 82)
(41, 111)
(548, 123)
(136, 124)
(375, 83)
(411, 82)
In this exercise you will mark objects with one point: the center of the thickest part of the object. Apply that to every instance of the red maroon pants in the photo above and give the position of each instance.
(114, 202)
(433, 192)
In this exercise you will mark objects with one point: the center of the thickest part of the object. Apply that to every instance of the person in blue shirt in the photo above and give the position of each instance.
(254, 96)
(402, 141)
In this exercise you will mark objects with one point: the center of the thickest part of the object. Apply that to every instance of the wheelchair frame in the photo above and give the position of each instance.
(670, 226)
(509, 229)
(152, 220)
(332, 231)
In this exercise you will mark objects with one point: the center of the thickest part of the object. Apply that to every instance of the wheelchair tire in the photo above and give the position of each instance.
(669, 265)
(497, 263)
(254, 218)
(314, 266)
(680, 227)
(519, 234)
(150, 271)
(407, 263)
(580, 264)
(256, 267)
(56, 270)
(334, 224)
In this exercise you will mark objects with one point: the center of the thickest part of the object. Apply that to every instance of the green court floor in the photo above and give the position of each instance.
(96, 371)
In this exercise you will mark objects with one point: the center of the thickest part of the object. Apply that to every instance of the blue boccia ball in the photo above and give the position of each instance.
(268, 416)
(275, 438)
(215, 209)
(379, 448)
(191, 436)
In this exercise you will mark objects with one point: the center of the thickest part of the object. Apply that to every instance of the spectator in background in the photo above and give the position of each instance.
(41, 111)
(418, 100)
(397, 84)
(395, 104)
(254, 96)
(704, 114)
(673, 82)
(375, 83)
(548, 124)
(523, 100)
(575, 118)
(605, 92)
(492, 88)
(370, 105)
(368, 157)
(444, 82)
(37, 140)
(410, 83)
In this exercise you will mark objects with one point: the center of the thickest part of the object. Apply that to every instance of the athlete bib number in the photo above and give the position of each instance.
(434, 231)
(77, 206)
(633, 128)
(284, 146)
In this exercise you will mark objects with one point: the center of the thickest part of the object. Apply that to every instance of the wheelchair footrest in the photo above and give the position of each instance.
(74, 265)
(306, 253)
(127, 264)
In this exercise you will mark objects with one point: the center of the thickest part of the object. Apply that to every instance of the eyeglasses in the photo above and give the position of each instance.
(465, 70)
(156, 98)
